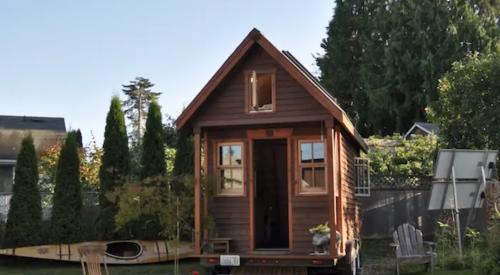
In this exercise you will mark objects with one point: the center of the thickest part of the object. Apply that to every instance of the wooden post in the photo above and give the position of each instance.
(197, 191)
(339, 201)
(330, 157)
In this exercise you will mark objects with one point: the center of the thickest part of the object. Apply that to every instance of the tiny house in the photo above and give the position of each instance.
(281, 156)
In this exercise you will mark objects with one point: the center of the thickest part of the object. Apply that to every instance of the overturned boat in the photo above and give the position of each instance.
(117, 252)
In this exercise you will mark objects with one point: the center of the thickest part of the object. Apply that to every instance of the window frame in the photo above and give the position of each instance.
(248, 93)
(362, 170)
(218, 167)
(312, 190)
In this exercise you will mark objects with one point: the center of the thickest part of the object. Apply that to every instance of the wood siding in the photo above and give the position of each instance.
(226, 106)
(350, 203)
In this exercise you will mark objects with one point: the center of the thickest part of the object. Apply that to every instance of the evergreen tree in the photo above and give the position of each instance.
(139, 96)
(25, 213)
(79, 138)
(184, 160)
(153, 156)
(340, 64)
(67, 200)
(115, 166)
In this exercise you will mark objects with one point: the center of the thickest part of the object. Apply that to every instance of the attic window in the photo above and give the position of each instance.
(260, 88)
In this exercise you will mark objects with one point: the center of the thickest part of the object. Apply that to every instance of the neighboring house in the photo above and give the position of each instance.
(45, 132)
(422, 128)
(283, 156)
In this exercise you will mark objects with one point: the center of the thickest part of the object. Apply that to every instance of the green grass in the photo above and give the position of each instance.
(12, 266)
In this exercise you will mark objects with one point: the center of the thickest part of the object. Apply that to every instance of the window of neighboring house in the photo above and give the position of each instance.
(312, 167)
(261, 94)
(230, 169)
(362, 187)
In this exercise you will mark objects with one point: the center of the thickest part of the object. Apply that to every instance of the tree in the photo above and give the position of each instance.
(139, 96)
(183, 161)
(467, 111)
(115, 165)
(25, 213)
(340, 63)
(67, 202)
(153, 157)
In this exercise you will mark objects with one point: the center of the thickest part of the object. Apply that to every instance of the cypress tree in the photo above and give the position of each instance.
(25, 213)
(153, 153)
(184, 160)
(115, 166)
(67, 201)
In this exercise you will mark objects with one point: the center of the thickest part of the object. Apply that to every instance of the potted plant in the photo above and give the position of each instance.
(320, 239)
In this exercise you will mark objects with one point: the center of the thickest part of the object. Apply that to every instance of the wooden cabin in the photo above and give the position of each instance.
(279, 154)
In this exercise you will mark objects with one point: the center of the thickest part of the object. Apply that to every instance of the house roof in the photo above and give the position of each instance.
(429, 128)
(291, 65)
(32, 123)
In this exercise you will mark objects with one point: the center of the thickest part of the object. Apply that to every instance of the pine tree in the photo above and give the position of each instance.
(340, 64)
(115, 166)
(184, 160)
(139, 96)
(25, 213)
(153, 156)
(67, 201)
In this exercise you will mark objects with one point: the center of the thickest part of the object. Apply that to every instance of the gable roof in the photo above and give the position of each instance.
(32, 123)
(291, 65)
(429, 128)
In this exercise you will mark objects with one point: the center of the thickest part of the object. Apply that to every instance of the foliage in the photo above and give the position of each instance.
(169, 132)
(115, 165)
(184, 160)
(467, 111)
(25, 212)
(139, 96)
(409, 158)
(383, 59)
(67, 201)
(320, 228)
(155, 203)
(153, 155)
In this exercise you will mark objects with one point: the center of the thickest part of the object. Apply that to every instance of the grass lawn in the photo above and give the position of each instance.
(12, 266)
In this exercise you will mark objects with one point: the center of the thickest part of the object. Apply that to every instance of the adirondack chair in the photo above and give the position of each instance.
(409, 247)
(91, 257)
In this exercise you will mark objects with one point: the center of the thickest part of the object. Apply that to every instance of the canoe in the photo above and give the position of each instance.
(117, 252)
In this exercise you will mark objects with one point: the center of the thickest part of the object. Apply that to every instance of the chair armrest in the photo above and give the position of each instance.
(393, 245)
(430, 243)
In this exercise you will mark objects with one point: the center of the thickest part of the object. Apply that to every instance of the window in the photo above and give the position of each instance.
(312, 167)
(229, 169)
(362, 166)
(260, 88)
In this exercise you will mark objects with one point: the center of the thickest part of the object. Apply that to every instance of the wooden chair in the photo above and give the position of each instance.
(409, 246)
(219, 245)
(92, 255)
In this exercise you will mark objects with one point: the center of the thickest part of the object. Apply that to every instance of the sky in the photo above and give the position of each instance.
(68, 58)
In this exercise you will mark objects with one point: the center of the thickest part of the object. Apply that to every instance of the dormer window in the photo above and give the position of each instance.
(261, 91)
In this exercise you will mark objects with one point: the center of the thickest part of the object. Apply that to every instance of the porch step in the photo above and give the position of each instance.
(269, 270)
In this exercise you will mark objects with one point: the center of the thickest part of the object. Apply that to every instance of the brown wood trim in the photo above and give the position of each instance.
(330, 157)
(216, 144)
(197, 191)
(251, 237)
(248, 95)
(205, 201)
(261, 121)
(339, 204)
(299, 191)
(269, 133)
(289, 144)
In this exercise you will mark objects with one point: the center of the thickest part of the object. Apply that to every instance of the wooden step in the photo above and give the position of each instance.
(269, 270)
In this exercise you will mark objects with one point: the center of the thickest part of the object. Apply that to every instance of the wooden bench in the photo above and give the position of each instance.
(409, 247)
(92, 255)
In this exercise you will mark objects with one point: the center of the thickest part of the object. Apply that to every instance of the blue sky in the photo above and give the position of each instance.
(67, 58)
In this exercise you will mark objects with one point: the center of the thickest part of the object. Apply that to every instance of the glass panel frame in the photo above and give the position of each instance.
(313, 162)
(230, 176)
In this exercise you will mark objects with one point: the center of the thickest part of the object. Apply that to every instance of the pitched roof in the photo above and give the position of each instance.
(429, 128)
(291, 65)
(32, 123)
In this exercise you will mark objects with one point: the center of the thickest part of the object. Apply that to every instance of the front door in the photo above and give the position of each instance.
(270, 194)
